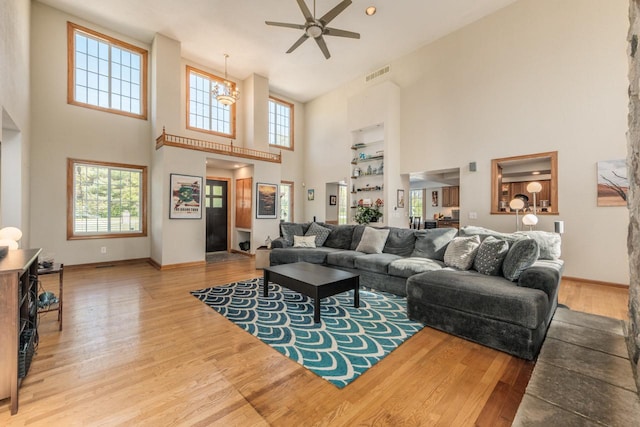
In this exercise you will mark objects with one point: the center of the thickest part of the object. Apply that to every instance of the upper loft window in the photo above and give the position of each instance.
(280, 123)
(105, 73)
(204, 112)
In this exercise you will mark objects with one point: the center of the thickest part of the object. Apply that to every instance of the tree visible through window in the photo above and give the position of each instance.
(286, 201)
(417, 202)
(343, 204)
(105, 73)
(106, 200)
(280, 123)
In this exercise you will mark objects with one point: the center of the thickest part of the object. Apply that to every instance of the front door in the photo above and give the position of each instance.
(216, 205)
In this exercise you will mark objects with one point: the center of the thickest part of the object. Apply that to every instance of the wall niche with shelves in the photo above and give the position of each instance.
(367, 169)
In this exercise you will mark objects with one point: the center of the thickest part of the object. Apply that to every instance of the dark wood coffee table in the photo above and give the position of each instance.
(313, 280)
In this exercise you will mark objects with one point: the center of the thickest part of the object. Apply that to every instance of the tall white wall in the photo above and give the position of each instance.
(14, 115)
(62, 131)
(539, 75)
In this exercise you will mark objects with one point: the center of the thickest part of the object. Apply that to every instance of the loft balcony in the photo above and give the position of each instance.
(214, 147)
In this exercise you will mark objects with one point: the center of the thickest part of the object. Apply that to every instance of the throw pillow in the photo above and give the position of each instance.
(461, 252)
(490, 256)
(290, 229)
(550, 244)
(522, 254)
(373, 240)
(432, 243)
(304, 241)
(319, 231)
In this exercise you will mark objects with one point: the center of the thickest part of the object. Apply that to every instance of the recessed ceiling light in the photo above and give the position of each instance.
(371, 10)
(535, 173)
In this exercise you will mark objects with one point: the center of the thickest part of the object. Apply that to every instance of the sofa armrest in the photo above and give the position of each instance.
(279, 243)
(544, 275)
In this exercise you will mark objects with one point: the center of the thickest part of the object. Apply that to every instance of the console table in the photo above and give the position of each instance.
(18, 317)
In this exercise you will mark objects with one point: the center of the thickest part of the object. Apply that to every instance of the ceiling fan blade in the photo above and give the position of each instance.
(298, 43)
(305, 10)
(328, 17)
(340, 33)
(323, 46)
(284, 24)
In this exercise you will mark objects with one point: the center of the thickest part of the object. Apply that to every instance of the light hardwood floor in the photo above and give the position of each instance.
(138, 349)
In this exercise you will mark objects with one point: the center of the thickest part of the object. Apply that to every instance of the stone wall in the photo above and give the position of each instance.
(633, 164)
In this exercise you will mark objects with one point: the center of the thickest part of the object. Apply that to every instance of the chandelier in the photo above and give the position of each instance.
(225, 92)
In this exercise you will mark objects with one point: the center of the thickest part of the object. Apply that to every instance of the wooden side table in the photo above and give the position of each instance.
(58, 269)
(262, 257)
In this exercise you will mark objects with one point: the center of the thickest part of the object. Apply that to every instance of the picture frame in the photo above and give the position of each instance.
(400, 199)
(613, 182)
(311, 194)
(333, 200)
(434, 198)
(266, 200)
(185, 196)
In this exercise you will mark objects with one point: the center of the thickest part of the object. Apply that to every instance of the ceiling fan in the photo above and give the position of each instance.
(316, 28)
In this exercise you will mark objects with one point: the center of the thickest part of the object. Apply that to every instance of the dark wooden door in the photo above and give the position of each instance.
(216, 205)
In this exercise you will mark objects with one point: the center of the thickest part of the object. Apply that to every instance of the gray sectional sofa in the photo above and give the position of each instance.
(496, 289)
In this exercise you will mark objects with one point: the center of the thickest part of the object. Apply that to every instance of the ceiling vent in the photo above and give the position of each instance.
(377, 74)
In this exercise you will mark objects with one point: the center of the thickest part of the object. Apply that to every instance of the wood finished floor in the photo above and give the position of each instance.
(138, 350)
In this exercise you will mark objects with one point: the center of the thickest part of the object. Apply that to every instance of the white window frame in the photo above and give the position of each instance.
(289, 185)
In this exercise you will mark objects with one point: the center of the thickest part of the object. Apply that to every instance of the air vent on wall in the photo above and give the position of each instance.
(377, 74)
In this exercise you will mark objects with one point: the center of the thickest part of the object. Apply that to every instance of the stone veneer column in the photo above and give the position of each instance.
(633, 165)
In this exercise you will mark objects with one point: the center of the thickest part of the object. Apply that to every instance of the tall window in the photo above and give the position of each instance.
(105, 200)
(417, 202)
(105, 73)
(204, 112)
(280, 123)
(286, 201)
(343, 204)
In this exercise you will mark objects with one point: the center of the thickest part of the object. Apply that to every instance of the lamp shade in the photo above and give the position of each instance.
(516, 204)
(534, 187)
(530, 220)
(11, 233)
(11, 244)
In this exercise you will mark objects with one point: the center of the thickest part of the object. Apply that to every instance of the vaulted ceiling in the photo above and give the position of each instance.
(207, 29)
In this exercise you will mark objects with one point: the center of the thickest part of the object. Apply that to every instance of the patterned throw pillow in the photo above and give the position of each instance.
(320, 232)
(490, 256)
(304, 241)
(373, 240)
(461, 252)
(522, 254)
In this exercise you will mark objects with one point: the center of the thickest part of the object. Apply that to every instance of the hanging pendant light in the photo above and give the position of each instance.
(225, 92)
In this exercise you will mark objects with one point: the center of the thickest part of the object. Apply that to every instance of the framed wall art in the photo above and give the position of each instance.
(266, 200)
(400, 201)
(613, 183)
(186, 197)
(311, 194)
(333, 200)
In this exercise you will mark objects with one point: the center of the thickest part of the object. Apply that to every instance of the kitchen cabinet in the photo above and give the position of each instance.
(243, 202)
(451, 196)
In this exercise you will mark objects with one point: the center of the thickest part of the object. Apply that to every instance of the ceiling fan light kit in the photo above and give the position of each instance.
(317, 28)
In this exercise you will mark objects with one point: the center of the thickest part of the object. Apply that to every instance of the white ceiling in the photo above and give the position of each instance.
(209, 28)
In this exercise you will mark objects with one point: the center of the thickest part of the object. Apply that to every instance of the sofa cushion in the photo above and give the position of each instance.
(400, 241)
(432, 243)
(377, 263)
(461, 252)
(343, 258)
(488, 296)
(321, 233)
(304, 241)
(522, 254)
(490, 256)
(407, 267)
(290, 255)
(548, 242)
(340, 236)
(357, 235)
(373, 240)
(483, 233)
(290, 229)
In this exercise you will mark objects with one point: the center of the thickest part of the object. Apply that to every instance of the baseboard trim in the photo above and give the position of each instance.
(235, 251)
(174, 266)
(596, 282)
(106, 264)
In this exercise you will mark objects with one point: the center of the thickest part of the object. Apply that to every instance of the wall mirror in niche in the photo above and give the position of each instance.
(510, 177)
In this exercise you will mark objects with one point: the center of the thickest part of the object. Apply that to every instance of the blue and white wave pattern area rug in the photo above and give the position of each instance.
(345, 343)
